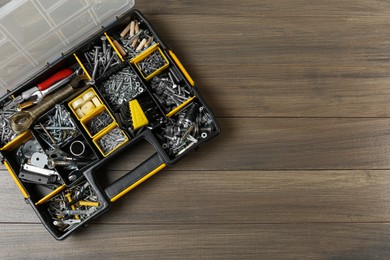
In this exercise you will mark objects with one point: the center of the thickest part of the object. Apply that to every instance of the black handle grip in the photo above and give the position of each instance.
(135, 177)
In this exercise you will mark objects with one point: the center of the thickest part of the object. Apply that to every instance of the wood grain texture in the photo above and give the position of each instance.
(236, 197)
(301, 168)
(288, 143)
(222, 241)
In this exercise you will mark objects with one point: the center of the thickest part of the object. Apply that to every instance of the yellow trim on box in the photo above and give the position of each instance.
(82, 66)
(24, 192)
(102, 133)
(113, 46)
(80, 96)
(50, 195)
(17, 141)
(162, 166)
(181, 67)
(177, 109)
(145, 54)
(96, 111)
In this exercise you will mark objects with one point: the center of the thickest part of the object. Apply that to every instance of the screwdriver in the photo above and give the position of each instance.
(40, 87)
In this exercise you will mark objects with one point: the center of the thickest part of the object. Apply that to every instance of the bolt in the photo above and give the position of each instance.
(104, 42)
(96, 60)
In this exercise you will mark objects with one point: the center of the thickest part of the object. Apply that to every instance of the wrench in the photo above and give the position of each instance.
(38, 95)
(40, 87)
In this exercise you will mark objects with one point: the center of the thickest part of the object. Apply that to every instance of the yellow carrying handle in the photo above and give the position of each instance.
(135, 177)
(121, 194)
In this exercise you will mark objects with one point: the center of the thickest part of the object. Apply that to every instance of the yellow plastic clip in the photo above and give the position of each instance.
(82, 66)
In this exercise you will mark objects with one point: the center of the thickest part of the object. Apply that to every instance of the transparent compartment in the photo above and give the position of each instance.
(36, 32)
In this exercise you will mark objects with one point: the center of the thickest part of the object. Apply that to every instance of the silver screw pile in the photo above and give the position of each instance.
(100, 59)
(98, 123)
(59, 127)
(168, 92)
(121, 87)
(6, 133)
(151, 63)
(186, 129)
(111, 140)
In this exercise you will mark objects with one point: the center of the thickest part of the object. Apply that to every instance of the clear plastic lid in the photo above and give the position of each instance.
(35, 32)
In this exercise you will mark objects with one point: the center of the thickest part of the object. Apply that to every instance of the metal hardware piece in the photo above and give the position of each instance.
(42, 171)
(39, 160)
(22, 121)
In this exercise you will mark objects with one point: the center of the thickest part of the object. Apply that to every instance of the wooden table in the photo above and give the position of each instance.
(302, 167)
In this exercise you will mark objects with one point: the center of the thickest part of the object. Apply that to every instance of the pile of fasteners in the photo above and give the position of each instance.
(134, 40)
(186, 129)
(98, 123)
(100, 59)
(58, 128)
(151, 63)
(121, 88)
(6, 133)
(168, 92)
(72, 206)
(111, 140)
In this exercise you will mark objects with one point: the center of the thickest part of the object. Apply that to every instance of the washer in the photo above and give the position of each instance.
(77, 148)
(39, 159)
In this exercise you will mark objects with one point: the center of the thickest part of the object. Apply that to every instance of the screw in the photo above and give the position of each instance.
(104, 41)
(96, 60)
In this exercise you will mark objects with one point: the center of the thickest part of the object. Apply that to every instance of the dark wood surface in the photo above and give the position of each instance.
(302, 166)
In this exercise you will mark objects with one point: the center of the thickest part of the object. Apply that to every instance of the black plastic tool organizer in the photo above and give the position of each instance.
(167, 122)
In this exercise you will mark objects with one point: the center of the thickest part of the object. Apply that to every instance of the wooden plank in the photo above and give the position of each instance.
(294, 143)
(295, 91)
(299, 40)
(236, 197)
(256, 197)
(280, 143)
(264, 8)
(268, 8)
(292, 241)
